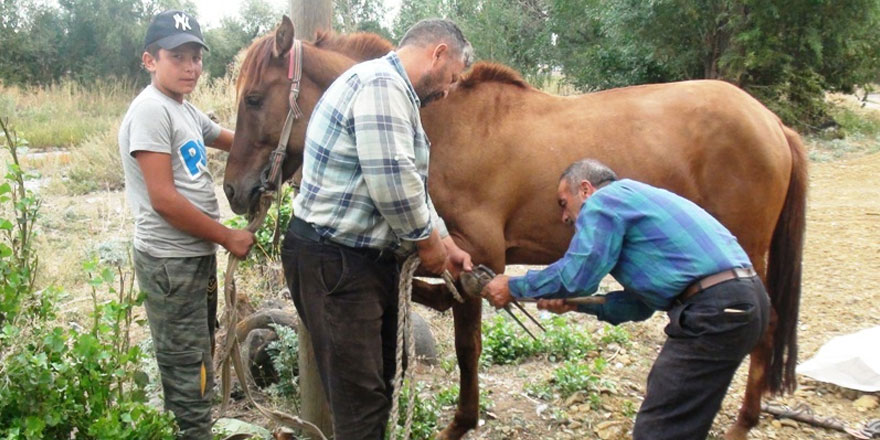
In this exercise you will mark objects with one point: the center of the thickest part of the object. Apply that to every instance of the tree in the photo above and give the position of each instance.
(786, 53)
(256, 18)
(360, 16)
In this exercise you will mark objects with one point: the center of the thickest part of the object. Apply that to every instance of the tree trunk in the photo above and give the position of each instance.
(314, 403)
(310, 16)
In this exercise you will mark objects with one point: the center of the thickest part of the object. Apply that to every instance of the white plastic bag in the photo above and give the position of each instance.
(851, 361)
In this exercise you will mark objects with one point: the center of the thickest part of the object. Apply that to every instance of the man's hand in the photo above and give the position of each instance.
(558, 306)
(459, 260)
(433, 254)
(239, 242)
(498, 291)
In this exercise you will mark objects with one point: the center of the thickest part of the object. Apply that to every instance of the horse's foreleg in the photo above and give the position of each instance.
(435, 296)
(750, 411)
(467, 348)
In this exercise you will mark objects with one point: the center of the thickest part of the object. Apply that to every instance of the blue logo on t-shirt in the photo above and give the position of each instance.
(194, 157)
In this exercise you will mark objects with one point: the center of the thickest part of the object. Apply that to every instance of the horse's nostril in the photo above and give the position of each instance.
(229, 190)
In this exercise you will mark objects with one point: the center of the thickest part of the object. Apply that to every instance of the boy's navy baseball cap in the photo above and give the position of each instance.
(172, 28)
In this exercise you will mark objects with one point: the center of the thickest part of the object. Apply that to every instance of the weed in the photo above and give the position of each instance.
(562, 342)
(502, 345)
(284, 353)
(614, 334)
(570, 378)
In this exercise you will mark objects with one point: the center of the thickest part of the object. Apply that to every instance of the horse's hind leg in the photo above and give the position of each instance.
(750, 411)
(467, 348)
(756, 384)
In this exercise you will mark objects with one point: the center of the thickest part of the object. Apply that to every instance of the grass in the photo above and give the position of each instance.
(64, 114)
(857, 132)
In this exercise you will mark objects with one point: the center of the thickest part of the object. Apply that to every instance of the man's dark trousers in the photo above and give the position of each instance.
(348, 302)
(709, 335)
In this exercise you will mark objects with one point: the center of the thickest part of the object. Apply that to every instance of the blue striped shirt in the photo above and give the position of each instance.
(653, 242)
(365, 164)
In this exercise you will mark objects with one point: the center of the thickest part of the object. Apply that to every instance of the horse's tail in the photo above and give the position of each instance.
(784, 270)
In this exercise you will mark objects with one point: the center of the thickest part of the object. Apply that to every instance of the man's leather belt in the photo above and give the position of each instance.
(306, 231)
(717, 278)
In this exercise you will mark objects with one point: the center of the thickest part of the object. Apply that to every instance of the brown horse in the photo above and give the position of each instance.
(499, 146)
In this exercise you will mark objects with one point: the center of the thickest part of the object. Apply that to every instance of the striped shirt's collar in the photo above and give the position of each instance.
(395, 62)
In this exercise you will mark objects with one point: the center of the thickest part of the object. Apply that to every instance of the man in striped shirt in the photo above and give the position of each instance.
(363, 204)
(668, 254)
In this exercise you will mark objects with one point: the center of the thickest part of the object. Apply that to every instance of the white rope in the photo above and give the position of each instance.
(404, 333)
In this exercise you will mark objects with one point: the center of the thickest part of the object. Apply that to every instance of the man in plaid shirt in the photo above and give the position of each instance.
(363, 204)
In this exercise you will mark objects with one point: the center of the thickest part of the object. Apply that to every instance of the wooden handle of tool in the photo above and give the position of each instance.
(576, 300)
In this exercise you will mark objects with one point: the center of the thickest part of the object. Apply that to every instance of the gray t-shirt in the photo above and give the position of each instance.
(155, 122)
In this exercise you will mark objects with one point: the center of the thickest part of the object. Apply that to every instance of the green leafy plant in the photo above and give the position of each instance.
(268, 247)
(502, 343)
(19, 210)
(572, 377)
(563, 341)
(58, 382)
(284, 353)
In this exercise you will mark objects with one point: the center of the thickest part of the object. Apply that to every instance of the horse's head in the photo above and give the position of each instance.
(263, 90)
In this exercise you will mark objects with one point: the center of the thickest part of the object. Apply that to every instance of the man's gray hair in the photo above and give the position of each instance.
(591, 170)
(439, 30)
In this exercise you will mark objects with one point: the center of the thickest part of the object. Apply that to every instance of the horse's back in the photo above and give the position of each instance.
(500, 149)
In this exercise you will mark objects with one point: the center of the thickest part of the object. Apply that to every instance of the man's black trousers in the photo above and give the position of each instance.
(708, 337)
(348, 302)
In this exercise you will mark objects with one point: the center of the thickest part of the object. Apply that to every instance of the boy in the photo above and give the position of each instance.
(171, 195)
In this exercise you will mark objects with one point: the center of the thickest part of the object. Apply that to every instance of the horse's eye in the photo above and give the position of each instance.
(253, 100)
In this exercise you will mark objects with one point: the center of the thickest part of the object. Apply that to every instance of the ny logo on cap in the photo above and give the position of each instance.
(181, 22)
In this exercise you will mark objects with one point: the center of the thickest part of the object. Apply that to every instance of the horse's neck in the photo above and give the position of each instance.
(324, 66)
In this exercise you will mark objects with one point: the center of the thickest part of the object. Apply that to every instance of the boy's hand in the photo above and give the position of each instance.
(239, 242)
(558, 306)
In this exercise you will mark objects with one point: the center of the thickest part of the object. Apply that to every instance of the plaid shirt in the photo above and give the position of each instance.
(365, 164)
(653, 242)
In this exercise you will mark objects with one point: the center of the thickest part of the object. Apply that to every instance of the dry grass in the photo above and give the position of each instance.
(64, 114)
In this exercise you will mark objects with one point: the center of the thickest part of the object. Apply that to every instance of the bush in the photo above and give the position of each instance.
(58, 382)
(284, 353)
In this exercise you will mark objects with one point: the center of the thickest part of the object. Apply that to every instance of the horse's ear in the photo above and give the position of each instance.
(283, 37)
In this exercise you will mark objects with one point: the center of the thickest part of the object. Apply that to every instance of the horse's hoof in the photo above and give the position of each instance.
(736, 432)
(455, 431)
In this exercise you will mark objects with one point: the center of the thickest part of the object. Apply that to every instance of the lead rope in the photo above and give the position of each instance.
(231, 350)
(405, 334)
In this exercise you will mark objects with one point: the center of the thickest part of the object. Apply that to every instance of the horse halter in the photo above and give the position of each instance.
(270, 178)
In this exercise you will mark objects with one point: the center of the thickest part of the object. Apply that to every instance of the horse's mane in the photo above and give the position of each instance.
(484, 72)
(358, 46)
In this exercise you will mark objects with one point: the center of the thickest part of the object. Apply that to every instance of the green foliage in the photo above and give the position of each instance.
(360, 16)
(502, 344)
(256, 18)
(264, 248)
(55, 381)
(68, 380)
(425, 411)
(565, 342)
(785, 53)
(19, 210)
(614, 334)
(284, 353)
(572, 377)
(505, 343)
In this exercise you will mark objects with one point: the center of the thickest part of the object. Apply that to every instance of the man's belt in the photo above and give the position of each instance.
(306, 231)
(717, 278)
